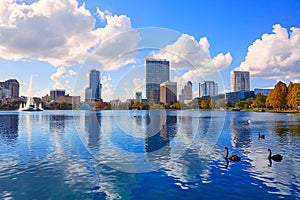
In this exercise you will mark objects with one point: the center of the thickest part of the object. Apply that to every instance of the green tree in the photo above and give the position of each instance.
(212, 103)
(260, 101)
(195, 103)
(228, 104)
(290, 94)
(241, 105)
(269, 98)
(277, 98)
(296, 98)
(205, 104)
(221, 103)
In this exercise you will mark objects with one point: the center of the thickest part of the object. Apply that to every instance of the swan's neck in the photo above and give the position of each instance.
(226, 153)
(270, 154)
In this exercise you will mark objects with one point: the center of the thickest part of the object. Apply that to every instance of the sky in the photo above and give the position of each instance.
(59, 41)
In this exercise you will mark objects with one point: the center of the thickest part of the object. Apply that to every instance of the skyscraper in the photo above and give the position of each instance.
(138, 96)
(168, 92)
(93, 92)
(14, 87)
(208, 88)
(187, 92)
(157, 72)
(240, 81)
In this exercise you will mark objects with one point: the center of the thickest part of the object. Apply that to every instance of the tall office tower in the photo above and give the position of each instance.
(208, 88)
(14, 87)
(240, 81)
(93, 92)
(138, 96)
(57, 93)
(168, 91)
(157, 72)
(187, 92)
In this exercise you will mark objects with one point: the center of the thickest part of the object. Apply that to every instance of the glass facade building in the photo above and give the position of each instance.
(234, 97)
(157, 72)
(57, 93)
(13, 86)
(93, 92)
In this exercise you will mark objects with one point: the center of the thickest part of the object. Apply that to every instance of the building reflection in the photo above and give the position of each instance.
(240, 131)
(9, 127)
(157, 145)
(57, 123)
(93, 129)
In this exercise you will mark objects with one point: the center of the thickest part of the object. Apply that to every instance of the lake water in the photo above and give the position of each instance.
(148, 155)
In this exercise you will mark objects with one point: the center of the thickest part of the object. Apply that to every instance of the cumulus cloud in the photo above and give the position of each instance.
(275, 55)
(188, 54)
(60, 78)
(118, 41)
(56, 31)
(107, 88)
(140, 85)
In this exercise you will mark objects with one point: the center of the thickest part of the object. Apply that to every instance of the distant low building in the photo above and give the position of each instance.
(262, 91)
(145, 101)
(115, 102)
(57, 93)
(234, 97)
(74, 100)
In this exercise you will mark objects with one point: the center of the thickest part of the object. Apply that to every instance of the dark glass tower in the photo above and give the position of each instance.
(157, 72)
(93, 92)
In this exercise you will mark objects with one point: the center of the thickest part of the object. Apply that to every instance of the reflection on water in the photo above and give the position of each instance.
(147, 154)
(240, 131)
(9, 127)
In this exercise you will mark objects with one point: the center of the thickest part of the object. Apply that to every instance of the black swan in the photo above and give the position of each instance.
(261, 136)
(231, 157)
(276, 157)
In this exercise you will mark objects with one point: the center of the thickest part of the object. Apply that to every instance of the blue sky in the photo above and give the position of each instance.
(60, 47)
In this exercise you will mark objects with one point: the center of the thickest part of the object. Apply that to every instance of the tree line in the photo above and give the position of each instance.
(282, 97)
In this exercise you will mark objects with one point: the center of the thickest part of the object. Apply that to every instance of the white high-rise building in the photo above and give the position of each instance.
(208, 88)
(240, 81)
(187, 92)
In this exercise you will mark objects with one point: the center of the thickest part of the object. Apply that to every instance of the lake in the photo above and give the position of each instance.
(148, 155)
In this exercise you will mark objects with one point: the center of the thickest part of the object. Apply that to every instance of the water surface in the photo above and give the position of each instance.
(147, 155)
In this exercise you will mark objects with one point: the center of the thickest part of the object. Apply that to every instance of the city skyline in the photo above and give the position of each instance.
(206, 41)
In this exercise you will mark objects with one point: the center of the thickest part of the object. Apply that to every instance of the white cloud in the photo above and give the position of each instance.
(56, 31)
(107, 88)
(60, 78)
(188, 54)
(140, 85)
(275, 55)
(118, 41)
(296, 80)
